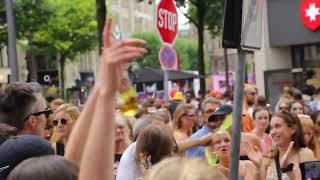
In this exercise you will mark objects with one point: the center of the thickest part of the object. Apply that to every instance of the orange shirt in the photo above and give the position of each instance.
(247, 122)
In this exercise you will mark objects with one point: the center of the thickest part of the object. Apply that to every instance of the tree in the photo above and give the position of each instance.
(71, 31)
(32, 16)
(153, 45)
(185, 48)
(187, 53)
(3, 26)
(204, 15)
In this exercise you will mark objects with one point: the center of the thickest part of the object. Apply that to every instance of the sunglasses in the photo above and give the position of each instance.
(46, 112)
(189, 115)
(217, 118)
(253, 93)
(62, 121)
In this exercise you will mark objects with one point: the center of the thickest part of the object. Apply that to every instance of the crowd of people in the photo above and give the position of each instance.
(187, 137)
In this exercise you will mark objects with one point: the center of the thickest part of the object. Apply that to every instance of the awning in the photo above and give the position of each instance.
(146, 75)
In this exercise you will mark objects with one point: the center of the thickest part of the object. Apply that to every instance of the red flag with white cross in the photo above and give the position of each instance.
(310, 13)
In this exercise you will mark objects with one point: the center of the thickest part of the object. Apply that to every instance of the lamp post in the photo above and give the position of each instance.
(13, 63)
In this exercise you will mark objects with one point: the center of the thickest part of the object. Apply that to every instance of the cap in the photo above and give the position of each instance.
(19, 148)
(222, 110)
(178, 96)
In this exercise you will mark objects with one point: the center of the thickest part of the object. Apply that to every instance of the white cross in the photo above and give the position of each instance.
(313, 12)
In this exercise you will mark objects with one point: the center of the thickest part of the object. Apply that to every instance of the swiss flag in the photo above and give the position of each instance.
(310, 13)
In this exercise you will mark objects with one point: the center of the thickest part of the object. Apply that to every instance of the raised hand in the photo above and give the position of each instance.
(284, 159)
(116, 54)
(253, 153)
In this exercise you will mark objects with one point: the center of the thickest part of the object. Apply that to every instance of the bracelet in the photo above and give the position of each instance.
(288, 168)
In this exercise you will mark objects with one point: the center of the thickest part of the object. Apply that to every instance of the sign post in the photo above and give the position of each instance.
(12, 49)
(167, 25)
(243, 19)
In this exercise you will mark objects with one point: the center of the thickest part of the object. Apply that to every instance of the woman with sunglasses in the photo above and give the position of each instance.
(63, 120)
(283, 106)
(183, 121)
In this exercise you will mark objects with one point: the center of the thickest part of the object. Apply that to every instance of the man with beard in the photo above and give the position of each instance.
(213, 116)
(249, 99)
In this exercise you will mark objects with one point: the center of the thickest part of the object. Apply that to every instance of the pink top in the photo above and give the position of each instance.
(266, 143)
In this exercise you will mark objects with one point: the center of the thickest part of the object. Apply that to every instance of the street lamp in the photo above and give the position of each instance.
(13, 63)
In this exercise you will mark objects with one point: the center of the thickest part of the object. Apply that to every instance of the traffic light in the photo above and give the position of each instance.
(232, 24)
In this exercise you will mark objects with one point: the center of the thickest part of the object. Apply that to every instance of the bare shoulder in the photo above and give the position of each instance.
(179, 136)
(306, 154)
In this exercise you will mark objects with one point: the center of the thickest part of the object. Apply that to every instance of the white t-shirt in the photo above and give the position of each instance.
(128, 168)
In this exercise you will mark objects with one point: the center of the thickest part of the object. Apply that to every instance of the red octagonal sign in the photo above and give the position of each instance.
(167, 21)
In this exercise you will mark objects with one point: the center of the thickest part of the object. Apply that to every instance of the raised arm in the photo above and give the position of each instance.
(79, 134)
(97, 158)
(194, 142)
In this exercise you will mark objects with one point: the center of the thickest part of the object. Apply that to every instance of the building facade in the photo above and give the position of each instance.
(130, 17)
(290, 52)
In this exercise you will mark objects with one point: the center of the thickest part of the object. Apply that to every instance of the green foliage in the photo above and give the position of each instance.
(212, 13)
(153, 45)
(185, 48)
(72, 29)
(31, 17)
(3, 26)
(187, 52)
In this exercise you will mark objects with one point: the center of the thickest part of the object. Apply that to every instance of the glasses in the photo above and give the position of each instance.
(62, 121)
(217, 118)
(252, 93)
(283, 108)
(46, 112)
(189, 115)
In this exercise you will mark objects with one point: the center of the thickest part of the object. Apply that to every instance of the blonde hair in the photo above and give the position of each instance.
(178, 168)
(218, 135)
(314, 143)
(178, 113)
(70, 109)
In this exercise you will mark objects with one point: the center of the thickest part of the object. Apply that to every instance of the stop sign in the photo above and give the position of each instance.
(167, 21)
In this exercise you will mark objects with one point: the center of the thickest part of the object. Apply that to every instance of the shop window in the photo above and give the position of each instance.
(312, 52)
(139, 87)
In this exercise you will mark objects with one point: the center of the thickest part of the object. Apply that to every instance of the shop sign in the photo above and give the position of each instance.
(310, 13)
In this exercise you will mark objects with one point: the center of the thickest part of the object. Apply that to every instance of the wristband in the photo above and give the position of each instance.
(288, 168)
